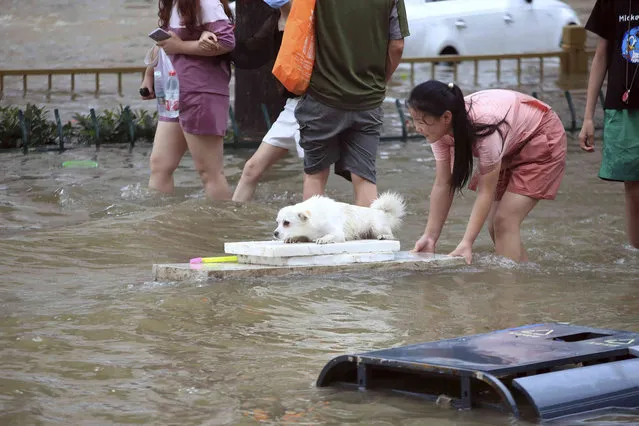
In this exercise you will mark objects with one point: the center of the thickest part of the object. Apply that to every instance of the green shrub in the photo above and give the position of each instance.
(108, 125)
(145, 124)
(40, 130)
(10, 132)
(113, 126)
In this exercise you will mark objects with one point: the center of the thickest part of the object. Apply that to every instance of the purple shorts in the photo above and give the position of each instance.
(203, 113)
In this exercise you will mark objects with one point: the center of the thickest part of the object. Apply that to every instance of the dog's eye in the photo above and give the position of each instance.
(286, 223)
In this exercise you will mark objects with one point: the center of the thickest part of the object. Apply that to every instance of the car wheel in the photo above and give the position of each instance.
(448, 50)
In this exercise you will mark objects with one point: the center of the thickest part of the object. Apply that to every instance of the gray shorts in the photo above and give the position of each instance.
(348, 139)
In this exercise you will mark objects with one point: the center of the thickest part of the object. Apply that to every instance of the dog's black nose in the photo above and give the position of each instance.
(276, 234)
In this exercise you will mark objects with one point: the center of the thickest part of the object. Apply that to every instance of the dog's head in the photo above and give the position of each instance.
(294, 224)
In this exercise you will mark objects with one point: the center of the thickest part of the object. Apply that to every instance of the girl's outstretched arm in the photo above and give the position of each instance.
(481, 209)
(441, 198)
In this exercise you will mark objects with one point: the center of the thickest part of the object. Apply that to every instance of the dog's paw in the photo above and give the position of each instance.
(294, 240)
(385, 237)
(326, 239)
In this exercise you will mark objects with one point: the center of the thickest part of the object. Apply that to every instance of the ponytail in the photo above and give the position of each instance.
(465, 137)
(434, 98)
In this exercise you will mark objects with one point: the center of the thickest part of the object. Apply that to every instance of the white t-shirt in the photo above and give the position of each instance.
(210, 11)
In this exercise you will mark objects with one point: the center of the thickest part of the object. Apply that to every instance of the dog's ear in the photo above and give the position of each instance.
(304, 215)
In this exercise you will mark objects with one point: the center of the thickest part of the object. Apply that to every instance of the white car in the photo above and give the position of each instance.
(485, 27)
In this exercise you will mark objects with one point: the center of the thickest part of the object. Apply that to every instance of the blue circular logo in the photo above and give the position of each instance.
(630, 45)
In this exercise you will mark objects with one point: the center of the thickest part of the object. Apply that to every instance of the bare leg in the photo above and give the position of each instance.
(491, 229)
(315, 184)
(491, 220)
(513, 209)
(263, 159)
(524, 253)
(169, 147)
(364, 192)
(208, 158)
(632, 212)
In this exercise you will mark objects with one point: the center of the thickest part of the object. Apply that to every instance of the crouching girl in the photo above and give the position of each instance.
(520, 145)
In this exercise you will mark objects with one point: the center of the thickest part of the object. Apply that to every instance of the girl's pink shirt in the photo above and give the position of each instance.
(523, 114)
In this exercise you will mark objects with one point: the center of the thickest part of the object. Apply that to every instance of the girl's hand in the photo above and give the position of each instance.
(208, 41)
(425, 244)
(464, 250)
(171, 45)
(587, 136)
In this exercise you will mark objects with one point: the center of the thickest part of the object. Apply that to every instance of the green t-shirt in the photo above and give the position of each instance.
(351, 50)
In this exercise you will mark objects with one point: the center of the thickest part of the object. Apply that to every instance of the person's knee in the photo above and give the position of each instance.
(318, 176)
(210, 175)
(632, 192)
(207, 168)
(315, 183)
(162, 163)
(365, 190)
(252, 171)
(503, 223)
(362, 182)
(356, 179)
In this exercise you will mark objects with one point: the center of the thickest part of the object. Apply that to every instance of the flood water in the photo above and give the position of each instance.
(87, 338)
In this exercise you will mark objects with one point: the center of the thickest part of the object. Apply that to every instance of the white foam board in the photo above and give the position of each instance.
(281, 249)
(317, 260)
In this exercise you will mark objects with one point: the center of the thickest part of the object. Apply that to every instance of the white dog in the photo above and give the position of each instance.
(323, 220)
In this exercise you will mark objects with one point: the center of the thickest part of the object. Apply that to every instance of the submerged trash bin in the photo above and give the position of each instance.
(547, 372)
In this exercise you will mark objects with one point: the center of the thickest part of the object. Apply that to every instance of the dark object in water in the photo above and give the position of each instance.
(548, 372)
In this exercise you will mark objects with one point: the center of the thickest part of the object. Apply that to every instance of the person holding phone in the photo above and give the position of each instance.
(284, 135)
(204, 76)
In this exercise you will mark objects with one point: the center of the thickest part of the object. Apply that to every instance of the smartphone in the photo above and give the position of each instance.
(159, 34)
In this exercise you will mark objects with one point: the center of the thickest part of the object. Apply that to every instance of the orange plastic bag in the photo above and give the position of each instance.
(294, 63)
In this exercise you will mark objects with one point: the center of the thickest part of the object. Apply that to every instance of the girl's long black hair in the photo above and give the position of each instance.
(434, 98)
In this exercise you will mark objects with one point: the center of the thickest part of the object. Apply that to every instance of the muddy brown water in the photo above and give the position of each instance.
(87, 338)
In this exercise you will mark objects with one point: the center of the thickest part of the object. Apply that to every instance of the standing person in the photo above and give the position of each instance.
(617, 25)
(358, 47)
(204, 76)
(284, 134)
(520, 144)
(283, 137)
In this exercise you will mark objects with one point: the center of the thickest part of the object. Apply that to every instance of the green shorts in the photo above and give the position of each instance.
(620, 152)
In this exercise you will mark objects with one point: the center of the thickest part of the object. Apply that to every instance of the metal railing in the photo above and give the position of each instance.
(71, 72)
(456, 60)
(435, 62)
(453, 61)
